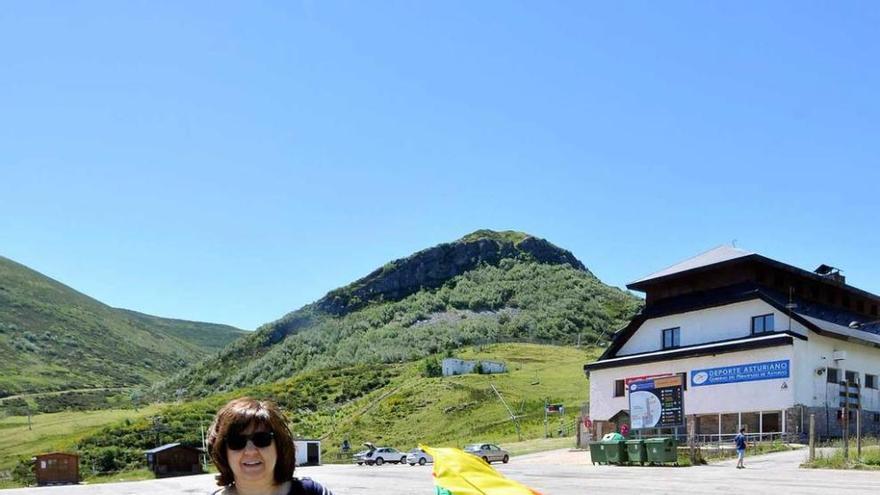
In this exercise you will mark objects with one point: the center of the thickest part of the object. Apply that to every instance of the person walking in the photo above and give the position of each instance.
(740, 448)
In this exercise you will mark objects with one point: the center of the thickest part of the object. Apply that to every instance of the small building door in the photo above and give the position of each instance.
(313, 453)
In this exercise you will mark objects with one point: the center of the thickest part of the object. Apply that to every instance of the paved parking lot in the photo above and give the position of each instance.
(552, 473)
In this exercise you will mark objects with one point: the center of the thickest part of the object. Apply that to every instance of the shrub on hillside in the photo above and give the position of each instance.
(432, 367)
(112, 459)
(23, 472)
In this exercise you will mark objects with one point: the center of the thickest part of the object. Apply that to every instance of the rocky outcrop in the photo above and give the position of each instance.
(432, 267)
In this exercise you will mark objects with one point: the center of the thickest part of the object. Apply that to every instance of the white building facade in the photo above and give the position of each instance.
(714, 318)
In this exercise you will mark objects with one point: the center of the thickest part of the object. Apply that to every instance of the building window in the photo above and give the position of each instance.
(873, 310)
(671, 338)
(877, 417)
(860, 306)
(833, 375)
(852, 376)
(870, 381)
(619, 388)
(762, 324)
(844, 300)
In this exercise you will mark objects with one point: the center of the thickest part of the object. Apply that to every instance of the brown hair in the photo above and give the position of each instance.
(234, 418)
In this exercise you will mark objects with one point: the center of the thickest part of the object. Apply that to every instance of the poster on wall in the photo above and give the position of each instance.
(656, 403)
(769, 370)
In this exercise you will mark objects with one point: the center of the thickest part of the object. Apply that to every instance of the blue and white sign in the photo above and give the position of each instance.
(751, 372)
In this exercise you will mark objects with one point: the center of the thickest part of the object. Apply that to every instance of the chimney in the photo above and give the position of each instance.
(830, 273)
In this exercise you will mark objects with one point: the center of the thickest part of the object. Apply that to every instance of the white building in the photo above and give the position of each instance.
(308, 452)
(759, 344)
(452, 366)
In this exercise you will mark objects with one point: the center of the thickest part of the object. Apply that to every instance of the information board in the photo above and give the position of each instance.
(750, 372)
(657, 403)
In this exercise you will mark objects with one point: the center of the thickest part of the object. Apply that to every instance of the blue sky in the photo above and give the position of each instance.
(230, 162)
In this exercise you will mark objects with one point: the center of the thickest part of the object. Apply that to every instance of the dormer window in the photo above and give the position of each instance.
(762, 324)
(672, 338)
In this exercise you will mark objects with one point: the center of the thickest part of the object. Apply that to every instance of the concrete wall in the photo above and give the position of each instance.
(452, 366)
(707, 325)
(817, 354)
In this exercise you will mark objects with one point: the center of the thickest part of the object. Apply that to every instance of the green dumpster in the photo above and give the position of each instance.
(597, 453)
(636, 451)
(614, 446)
(662, 450)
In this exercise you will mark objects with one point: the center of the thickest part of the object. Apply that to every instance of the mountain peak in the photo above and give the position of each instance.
(431, 267)
(511, 236)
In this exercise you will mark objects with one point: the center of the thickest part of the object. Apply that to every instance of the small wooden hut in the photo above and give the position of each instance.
(56, 468)
(174, 459)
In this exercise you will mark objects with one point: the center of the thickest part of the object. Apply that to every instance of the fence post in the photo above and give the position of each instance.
(812, 437)
(859, 433)
(846, 420)
(692, 440)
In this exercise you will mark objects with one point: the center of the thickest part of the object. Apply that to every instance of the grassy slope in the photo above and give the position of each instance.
(56, 431)
(517, 300)
(462, 409)
(387, 404)
(210, 337)
(54, 338)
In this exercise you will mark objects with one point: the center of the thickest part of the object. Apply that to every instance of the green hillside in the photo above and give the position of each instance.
(55, 338)
(391, 404)
(486, 287)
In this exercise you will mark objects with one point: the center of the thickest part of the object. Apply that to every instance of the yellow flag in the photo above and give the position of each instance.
(458, 473)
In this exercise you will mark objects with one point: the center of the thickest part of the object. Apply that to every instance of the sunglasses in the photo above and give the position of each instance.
(260, 439)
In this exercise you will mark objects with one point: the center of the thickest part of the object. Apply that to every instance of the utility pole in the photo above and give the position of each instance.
(546, 432)
(512, 416)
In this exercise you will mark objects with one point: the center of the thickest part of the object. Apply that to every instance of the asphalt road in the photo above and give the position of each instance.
(552, 473)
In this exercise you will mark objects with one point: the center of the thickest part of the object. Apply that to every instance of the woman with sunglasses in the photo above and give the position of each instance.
(252, 447)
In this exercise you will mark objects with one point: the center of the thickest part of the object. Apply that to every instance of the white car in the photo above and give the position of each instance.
(360, 456)
(488, 452)
(418, 456)
(381, 455)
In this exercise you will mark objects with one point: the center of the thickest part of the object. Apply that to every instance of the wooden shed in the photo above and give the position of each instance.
(174, 459)
(56, 468)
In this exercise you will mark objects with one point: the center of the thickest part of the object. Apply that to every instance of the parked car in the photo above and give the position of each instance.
(360, 456)
(418, 456)
(381, 455)
(488, 452)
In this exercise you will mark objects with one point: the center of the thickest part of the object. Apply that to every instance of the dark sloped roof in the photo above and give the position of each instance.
(806, 313)
(706, 349)
(168, 446)
(830, 314)
(728, 255)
